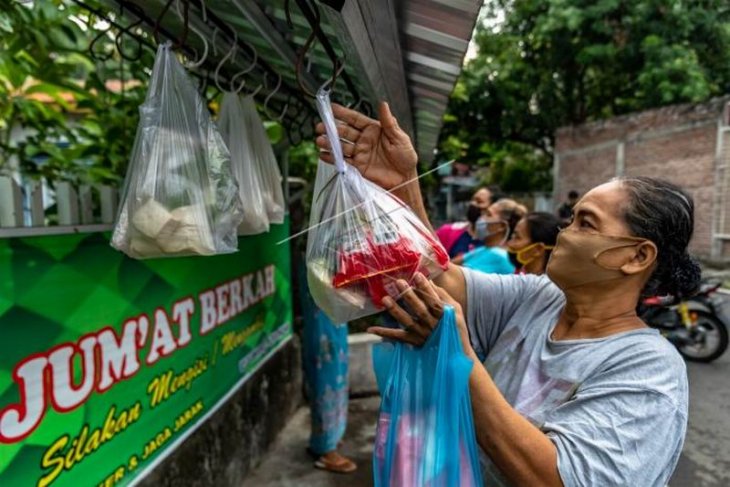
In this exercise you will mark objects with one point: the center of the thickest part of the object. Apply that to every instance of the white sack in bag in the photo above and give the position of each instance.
(235, 125)
(179, 196)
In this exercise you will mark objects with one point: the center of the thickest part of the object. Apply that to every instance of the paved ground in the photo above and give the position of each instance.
(705, 460)
(288, 464)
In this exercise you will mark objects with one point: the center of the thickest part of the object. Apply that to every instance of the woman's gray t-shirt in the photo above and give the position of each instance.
(615, 407)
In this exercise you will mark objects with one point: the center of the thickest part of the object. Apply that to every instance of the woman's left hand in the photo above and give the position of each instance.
(426, 302)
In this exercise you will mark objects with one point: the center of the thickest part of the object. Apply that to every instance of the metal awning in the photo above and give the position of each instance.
(408, 52)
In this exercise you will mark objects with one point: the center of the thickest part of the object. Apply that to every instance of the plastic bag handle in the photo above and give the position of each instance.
(324, 106)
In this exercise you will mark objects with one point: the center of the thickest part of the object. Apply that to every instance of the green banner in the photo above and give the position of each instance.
(107, 363)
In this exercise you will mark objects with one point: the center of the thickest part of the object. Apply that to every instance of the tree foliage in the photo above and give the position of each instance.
(552, 63)
(58, 116)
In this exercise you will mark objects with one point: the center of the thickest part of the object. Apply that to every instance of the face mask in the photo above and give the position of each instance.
(579, 258)
(482, 228)
(520, 255)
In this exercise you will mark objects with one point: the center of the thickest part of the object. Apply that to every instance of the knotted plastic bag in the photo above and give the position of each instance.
(179, 196)
(361, 238)
(237, 123)
(262, 156)
(425, 435)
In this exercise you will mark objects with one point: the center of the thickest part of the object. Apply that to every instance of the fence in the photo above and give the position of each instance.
(30, 209)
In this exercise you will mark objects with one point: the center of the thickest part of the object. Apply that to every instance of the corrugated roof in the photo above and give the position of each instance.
(436, 35)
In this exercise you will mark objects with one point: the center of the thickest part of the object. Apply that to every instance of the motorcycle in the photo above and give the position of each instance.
(693, 324)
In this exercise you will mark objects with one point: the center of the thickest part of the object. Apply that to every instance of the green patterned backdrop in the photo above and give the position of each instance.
(58, 295)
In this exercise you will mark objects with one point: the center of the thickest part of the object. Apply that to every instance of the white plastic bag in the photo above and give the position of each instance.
(179, 196)
(361, 238)
(236, 123)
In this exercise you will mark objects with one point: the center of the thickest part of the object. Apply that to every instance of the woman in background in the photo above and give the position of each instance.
(532, 242)
(325, 363)
(461, 237)
(495, 228)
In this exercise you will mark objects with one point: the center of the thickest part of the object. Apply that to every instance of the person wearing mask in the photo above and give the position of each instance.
(532, 242)
(460, 237)
(565, 211)
(574, 389)
(495, 228)
(483, 198)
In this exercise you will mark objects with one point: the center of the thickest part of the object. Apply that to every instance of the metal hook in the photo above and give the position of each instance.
(256, 91)
(158, 21)
(245, 71)
(270, 95)
(230, 53)
(338, 68)
(355, 104)
(212, 41)
(99, 56)
(280, 118)
(118, 42)
(300, 61)
(337, 65)
(201, 60)
(260, 87)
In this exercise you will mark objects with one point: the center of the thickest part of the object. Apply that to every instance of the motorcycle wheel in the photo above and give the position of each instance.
(708, 342)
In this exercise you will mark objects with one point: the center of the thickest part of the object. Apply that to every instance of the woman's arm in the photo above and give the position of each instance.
(523, 453)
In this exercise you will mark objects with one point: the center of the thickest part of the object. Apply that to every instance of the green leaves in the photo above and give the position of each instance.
(73, 126)
(553, 63)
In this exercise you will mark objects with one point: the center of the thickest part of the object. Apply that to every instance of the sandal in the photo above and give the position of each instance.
(334, 462)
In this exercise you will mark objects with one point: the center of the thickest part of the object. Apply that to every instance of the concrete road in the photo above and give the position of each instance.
(705, 460)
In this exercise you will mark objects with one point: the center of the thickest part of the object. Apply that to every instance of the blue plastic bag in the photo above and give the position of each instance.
(425, 435)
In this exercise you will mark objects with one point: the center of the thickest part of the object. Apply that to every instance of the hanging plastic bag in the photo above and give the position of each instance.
(263, 157)
(361, 238)
(179, 196)
(425, 435)
(236, 124)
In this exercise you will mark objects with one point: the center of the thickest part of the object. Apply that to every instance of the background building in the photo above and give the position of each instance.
(688, 145)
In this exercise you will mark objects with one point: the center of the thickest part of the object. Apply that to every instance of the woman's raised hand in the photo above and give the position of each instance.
(380, 150)
(426, 302)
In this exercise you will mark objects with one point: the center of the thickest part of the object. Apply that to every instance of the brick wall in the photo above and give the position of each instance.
(677, 143)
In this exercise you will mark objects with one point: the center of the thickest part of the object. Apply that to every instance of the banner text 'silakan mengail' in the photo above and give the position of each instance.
(106, 362)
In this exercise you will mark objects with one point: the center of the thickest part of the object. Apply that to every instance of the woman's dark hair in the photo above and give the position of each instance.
(663, 213)
(543, 228)
(473, 213)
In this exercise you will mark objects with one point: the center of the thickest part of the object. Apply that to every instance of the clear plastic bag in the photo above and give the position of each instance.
(236, 123)
(361, 238)
(425, 434)
(262, 154)
(179, 196)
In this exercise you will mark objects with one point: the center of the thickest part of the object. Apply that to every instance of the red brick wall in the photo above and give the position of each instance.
(582, 172)
(675, 143)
